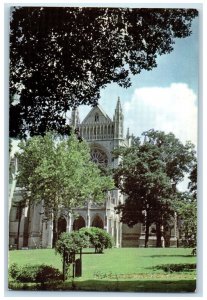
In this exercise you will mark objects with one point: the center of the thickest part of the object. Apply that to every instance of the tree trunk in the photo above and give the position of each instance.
(146, 234)
(158, 235)
(19, 223)
(54, 239)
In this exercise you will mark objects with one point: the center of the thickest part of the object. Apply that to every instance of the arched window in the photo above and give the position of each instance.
(98, 222)
(62, 224)
(99, 157)
(79, 223)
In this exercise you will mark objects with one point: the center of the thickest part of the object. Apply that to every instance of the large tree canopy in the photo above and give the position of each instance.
(148, 175)
(60, 57)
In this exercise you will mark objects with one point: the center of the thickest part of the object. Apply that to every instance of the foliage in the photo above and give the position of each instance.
(60, 57)
(178, 158)
(186, 208)
(10, 146)
(71, 242)
(193, 181)
(148, 175)
(13, 270)
(52, 169)
(98, 237)
(34, 273)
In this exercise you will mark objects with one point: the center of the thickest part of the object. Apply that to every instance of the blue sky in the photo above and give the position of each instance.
(165, 98)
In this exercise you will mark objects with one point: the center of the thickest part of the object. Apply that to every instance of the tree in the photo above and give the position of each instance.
(68, 245)
(60, 57)
(148, 175)
(98, 237)
(59, 172)
(178, 158)
(142, 178)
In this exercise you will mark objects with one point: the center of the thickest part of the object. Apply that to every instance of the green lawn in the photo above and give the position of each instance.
(124, 269)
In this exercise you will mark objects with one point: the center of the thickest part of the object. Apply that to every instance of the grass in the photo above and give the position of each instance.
(124, 269)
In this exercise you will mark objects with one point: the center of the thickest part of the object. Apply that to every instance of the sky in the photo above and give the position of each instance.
(165, 98)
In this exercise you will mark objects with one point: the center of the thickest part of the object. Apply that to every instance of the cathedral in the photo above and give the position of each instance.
(29, 227)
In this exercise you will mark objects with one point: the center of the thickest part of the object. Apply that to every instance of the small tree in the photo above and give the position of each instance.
(68, 245)
(98, 237)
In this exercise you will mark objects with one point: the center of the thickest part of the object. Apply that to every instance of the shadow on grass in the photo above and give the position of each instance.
(85, 252)
(174, 255)
(138, 286)
(150, 286)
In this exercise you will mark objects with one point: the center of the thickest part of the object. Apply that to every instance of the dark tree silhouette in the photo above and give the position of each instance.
(60, 57)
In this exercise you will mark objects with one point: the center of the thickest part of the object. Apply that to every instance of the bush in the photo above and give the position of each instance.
(71, 242)
(177, 267)
(27, 274)
(36, 273)
(48, 273)
(13, 271)
(98, 237)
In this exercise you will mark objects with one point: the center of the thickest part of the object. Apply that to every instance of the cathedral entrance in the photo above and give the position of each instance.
(79, 223)
(62, 224)
(97, 222)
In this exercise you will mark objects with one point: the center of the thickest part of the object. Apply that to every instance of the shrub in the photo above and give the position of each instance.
(27, 274)
(36, 273)
(98, 237)
(13, 270)
(48, 273)
(177, 267)
(71, 242)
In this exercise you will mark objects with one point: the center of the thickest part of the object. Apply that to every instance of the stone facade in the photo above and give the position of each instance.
(103, 135)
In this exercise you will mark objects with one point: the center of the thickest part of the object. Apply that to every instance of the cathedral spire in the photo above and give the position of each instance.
(118, 106)
(118, 120)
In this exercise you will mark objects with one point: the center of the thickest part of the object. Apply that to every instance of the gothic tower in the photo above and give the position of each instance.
(118, 121)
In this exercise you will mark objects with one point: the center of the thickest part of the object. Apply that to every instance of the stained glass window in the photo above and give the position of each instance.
(98, 156)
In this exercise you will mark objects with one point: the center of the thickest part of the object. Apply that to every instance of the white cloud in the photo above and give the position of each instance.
(170, 109)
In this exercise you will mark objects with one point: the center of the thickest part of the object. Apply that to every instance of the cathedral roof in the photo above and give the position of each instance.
(103, 117)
